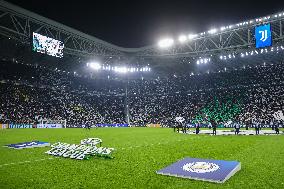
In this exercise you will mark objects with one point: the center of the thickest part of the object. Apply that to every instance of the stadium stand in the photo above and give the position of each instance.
(30, 93)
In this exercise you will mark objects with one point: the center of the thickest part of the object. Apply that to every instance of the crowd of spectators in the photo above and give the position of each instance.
(30, 93)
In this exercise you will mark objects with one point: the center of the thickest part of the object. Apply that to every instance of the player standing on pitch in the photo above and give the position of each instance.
(87, 126)
(237, 127)
(214, 126)
(180, 121)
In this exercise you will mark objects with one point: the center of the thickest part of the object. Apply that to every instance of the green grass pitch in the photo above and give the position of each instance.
(140, 152)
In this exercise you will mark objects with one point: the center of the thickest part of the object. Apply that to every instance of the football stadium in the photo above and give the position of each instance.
(199, 110)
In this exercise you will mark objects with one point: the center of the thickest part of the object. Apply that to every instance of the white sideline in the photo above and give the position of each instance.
(22, 162)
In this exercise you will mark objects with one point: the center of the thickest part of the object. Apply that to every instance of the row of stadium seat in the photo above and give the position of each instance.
(31, 93)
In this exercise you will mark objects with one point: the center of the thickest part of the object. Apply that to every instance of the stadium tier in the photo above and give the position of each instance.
(31, 93)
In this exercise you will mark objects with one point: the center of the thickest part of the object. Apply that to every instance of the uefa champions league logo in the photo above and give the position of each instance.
(85, 150)
(200, 167)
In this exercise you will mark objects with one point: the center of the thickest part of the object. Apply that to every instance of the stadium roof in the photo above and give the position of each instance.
(18, 23)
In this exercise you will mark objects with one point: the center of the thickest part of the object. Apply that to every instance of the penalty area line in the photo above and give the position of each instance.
(24, 162)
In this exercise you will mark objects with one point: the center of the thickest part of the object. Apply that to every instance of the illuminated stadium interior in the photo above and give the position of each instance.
(228, 76)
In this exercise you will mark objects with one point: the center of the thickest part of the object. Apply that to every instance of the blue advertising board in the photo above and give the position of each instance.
(49, 126)
(31, 144)
(263, 36)
(202, 169)
(20, 126)
(112, 125)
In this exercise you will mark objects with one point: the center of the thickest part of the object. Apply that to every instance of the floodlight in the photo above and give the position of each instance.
(94, 65)
(182, 38)
(192, 36)
(261, 51)
(123, 69)
(212, 31)
(166, 43)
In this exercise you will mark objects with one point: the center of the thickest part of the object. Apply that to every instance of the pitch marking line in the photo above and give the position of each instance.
(22, 162)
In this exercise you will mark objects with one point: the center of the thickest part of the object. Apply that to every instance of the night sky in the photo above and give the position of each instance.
(133, 23)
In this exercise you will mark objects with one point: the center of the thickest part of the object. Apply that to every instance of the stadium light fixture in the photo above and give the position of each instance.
(203, 60)
(164, 43)
(182, 38)
(212, 31)
(121, 70)
(94, 65)
(192, 36)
